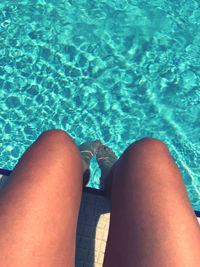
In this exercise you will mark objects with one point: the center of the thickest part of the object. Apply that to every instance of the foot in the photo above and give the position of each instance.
(87, 151)
(106, 159)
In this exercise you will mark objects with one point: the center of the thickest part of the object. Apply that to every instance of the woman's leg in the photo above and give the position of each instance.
(40, 203)
(152, 220)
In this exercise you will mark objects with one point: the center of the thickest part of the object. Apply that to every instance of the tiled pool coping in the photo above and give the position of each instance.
(85, 189)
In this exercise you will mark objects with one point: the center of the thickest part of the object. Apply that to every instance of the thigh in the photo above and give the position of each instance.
(152, 220)
(39, 204)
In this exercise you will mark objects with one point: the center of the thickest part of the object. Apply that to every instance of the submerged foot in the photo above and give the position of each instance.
(87, 151)
(106, 158)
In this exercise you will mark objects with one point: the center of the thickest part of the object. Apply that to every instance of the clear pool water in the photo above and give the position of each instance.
(117, 70)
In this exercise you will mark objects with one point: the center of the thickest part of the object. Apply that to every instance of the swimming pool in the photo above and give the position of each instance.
(114, 70)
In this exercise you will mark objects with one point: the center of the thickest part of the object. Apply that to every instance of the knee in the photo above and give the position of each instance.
(148, 147)
(57, 140)
(151, 143)
(56, 135)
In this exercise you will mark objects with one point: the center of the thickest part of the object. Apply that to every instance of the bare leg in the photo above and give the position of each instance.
(40, 203)
(152, 220)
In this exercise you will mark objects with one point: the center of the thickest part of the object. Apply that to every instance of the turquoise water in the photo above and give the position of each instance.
(114, 70)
